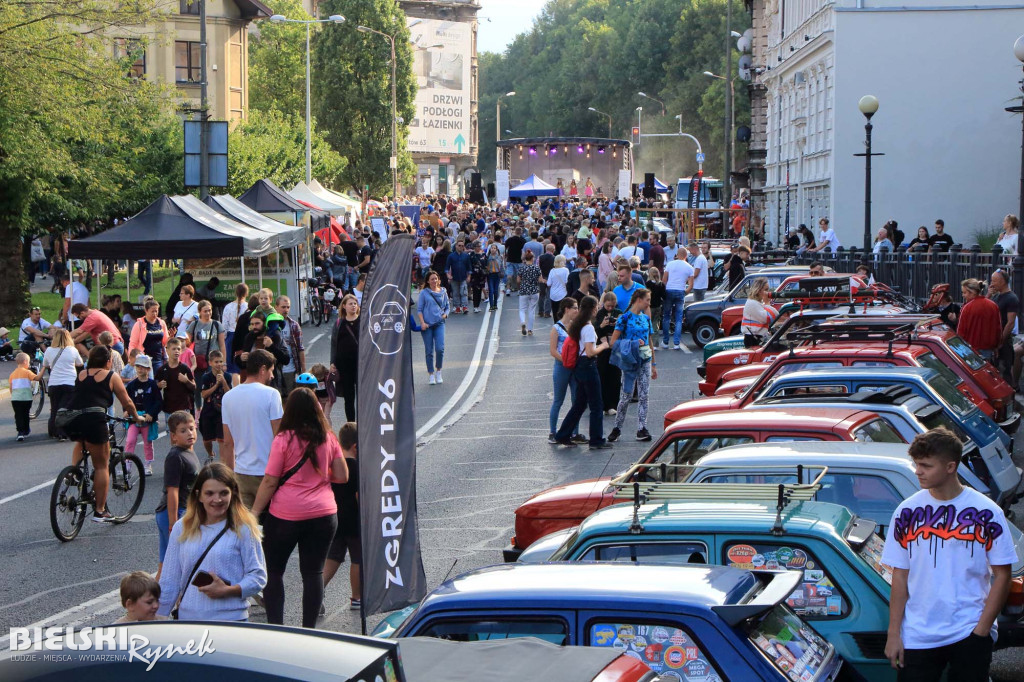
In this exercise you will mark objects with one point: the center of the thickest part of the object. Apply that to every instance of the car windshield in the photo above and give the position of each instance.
(965, 352)
(952, 397)
(871, 552)
(940, 418)
(931, 361)
(877, 431)
(790, 644)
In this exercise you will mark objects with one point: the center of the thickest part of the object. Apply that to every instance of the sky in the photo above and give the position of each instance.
(508, 18)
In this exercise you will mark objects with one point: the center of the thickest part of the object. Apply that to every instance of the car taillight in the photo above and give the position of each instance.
(513, 541)
(1015, 599)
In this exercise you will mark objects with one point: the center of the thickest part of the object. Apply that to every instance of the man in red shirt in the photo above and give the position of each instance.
(93, 323)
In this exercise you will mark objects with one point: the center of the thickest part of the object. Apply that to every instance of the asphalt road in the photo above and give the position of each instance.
(483, 451)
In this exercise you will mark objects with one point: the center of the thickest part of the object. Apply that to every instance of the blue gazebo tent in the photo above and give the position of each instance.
(533, 187)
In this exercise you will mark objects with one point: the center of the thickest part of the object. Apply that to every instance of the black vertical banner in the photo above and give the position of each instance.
(392, 567)
(693, 196)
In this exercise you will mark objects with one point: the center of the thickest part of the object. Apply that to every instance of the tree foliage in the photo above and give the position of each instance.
(600, 53)
(272, 145)
(79, 141)
(352, 90)
(277, 60)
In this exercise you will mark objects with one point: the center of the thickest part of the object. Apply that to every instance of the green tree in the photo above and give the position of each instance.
(277, 60)
(352, 90)
(273, 145)
(75, 133)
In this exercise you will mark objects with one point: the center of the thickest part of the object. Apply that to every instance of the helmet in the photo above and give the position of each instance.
(307, 379)
(275, 322)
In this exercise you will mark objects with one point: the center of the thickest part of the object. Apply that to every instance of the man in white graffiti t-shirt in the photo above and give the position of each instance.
(950, 551)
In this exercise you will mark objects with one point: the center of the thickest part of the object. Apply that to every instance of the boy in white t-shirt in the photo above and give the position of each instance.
(950, 551)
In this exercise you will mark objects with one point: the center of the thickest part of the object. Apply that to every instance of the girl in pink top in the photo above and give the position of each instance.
(304, 459)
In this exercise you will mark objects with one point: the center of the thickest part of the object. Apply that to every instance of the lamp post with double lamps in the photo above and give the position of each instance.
(394, 106)
(497, 127)
(333, 19)
(868, 105)
(596, 111)
(644, 94)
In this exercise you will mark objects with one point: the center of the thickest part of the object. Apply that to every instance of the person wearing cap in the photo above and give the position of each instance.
(264, 333)
(6, 348)
(34, 330)
(291, 332)
(145, 395)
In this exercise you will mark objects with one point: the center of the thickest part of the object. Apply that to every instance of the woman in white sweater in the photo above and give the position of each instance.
(233, 569)
(758, 316)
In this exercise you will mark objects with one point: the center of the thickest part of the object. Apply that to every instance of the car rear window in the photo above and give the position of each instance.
(790, 644)
(680, 553)
(942, 419)
(931, 361)
(871, 552)
(954, 398)
(664, 648)
(965, 352)
(816, 597)
(551, 630)
(877, 431)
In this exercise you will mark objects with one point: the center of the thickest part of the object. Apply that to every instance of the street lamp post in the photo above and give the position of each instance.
(333, 19)
(639, 123)
(596, 111)
(497, 127)
(868, 105)
(394, 106)
(644, 94)
(730, 107)
(1018, 261)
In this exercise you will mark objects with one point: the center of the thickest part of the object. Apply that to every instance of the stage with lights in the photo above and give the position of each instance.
(561, 160)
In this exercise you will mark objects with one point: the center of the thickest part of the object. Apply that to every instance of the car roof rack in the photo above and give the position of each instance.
(629, 486)
(863, 328)
(887, 396)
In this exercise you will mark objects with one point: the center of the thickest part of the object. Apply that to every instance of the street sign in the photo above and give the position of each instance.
(700, 157)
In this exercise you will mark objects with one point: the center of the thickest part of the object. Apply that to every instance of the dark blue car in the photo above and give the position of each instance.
(685, 622)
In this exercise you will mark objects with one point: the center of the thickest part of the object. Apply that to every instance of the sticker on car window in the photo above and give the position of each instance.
(668, 651)
(816, 596)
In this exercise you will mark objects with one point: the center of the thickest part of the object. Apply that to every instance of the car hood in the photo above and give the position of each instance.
(699, 406)
(721, 345)
(570, 501)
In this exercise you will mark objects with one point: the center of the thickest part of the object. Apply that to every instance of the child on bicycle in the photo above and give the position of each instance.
(181, 467)
(140, 597)
(215, 383)
(21, 394)
(145, 395)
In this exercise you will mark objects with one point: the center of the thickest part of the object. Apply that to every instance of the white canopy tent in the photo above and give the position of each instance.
(302, 192)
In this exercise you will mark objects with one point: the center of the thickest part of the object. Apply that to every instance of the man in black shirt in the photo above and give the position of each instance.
(546, 262)
(737, 271)
(514, 258)
(940, 238)
(352, 257)
(1009, 308)
(365, 256)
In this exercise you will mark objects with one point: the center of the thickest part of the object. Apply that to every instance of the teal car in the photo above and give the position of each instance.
(844, 589)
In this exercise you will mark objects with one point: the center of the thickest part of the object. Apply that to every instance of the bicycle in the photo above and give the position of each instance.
(313, 301)
(73, 493)
(39, 386)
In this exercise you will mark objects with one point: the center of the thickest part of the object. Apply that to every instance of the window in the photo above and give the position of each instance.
(869, 497)
(877, 431)
(791, 439)
(965, 352)
(954, 398)
(871, 363)
(189, 7)
(549, 629)
(871, 552)
(679, 553)
(809, 390)
(817, 596)
(797, 366)
(930, 361)
(664, 648)
(790, 644)
(688, 450)
(186, 62)
(132, 52)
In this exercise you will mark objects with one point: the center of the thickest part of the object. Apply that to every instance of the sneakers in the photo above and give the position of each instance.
(21, 437)
(148, 469)
(614, 435)
(476, 310)
(567, 443)
(601, 446)
(102, 516)
(522, 328)
(551, 438)
(664, 345)
(432, 381)
(643, 434)
(465, 310)
(437, 374)
(355, 604)
(611, 412)
(676, 347)
(579, 438)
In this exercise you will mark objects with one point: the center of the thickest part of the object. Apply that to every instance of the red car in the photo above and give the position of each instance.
(798, 288)
(686, 440)
(923, 341)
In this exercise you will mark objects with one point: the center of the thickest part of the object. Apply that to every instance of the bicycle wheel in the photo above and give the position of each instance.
(127, 485)
(315, 311)
(68, 504)
(38, 398)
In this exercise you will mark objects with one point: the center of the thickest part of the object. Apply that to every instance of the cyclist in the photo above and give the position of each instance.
(95, 389)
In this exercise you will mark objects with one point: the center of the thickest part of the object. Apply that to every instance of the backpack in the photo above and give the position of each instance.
(570, 351)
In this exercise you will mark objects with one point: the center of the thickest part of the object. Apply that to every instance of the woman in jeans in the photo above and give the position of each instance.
(495, 270)
(611, 376)
(433, 307)
(215, 518)
(345, 354)
(588, 383)
(149, 334)
(63, 360)
(305, 459)
(229, 318)
(529, 292)
(635, 325)
(562, 377)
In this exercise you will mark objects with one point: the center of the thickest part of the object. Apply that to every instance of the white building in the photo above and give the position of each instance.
(942, 72)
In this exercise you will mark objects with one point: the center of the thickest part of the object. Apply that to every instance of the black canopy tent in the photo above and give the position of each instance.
(266, 197)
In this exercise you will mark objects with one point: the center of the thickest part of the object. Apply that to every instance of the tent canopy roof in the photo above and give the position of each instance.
(286, 235)
(266, 197)
(533, 187)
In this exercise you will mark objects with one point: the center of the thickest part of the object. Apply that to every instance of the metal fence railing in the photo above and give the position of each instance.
(914, 273)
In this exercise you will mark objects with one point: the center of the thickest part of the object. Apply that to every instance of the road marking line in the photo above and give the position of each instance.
(23, 493)
(474, 365)
(317, 338)
(113, 595)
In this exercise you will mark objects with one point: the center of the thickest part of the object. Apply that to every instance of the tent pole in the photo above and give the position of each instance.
(259, 270)
(278, 254)
(241, 262)
(127, 283)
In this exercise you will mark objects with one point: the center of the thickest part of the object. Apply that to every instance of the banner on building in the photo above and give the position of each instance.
(392, 566)
(623, 191)
(501, 186)
(442, 53)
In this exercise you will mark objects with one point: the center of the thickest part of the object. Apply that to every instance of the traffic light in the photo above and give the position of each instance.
(636, 134)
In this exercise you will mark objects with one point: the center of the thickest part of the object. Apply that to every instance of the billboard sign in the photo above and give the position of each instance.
(442, 54)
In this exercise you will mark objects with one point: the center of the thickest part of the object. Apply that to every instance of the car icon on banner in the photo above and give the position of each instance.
(390, 318)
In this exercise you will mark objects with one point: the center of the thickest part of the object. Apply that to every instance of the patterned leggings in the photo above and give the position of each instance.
(643, 384)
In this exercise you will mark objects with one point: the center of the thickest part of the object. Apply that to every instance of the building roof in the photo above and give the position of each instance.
(516, 141)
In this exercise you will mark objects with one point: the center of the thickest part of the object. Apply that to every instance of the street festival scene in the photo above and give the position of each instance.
(438, 340)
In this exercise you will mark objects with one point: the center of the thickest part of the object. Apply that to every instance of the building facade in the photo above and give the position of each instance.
(169, 52)
(444, 134)
(943, 73)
